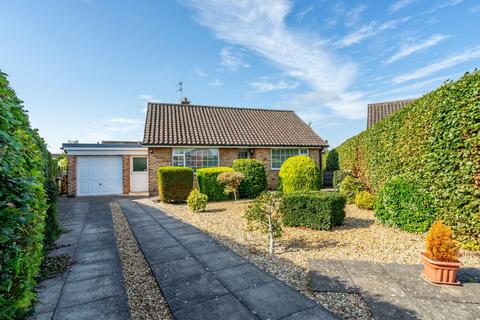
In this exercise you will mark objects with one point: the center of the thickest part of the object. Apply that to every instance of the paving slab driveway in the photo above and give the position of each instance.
(93, 287)
(201, 279)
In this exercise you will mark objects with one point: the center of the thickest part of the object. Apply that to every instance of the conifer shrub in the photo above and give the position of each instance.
(364, 200)
(299, 173)
(439, 243)
(197, 201)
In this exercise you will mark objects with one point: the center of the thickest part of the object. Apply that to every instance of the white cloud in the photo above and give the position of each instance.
(260, 27)
(200, 73)
(369, 30)
(216, 83)
(399, 5)
(117, 128)
(408, 49)
(300, 15)
(467, 55)
(353, 16)
(445, 4)
(267, 86)
(231, 59)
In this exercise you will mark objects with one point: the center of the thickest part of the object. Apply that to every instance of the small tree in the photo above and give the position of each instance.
(264, 212)
(231, 182)
(439, 243)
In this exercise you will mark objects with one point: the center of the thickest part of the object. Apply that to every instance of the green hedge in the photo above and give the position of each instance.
(404, 204)
(255, 181)
(208, 184)
(24, 177)
(331, 162)
(313, 209)
(434, 139)
(174, 183)
(299, 173)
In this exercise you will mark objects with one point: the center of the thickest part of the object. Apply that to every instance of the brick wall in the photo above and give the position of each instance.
(227, 156)
(157, 157)
(126, 174)
(72, 176)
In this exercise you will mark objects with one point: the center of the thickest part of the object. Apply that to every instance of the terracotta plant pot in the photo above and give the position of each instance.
(440, 272)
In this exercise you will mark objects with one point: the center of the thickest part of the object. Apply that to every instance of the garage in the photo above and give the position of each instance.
(99, 175)
(106, 168)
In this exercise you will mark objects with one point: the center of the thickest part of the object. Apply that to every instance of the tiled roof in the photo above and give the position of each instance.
(378, 111)
(192, 125)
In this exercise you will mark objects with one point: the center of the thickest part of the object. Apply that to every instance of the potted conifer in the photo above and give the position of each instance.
(440, 259)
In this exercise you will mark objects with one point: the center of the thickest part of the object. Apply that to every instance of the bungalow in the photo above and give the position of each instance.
(200, 136)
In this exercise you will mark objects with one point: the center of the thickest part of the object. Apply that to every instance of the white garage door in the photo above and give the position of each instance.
(99, 175)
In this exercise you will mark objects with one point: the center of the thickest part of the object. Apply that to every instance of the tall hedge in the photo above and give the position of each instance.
(25, 176)
(299, 173)
(208, 184)
(255, 181)
(174, 183)
(436, 140)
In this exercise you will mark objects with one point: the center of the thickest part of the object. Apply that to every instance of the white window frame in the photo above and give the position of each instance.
(299, 153)
(184, 160)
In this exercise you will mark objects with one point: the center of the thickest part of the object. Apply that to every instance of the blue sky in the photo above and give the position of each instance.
(85, 68)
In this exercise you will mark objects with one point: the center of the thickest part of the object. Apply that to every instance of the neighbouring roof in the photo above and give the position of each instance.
(104, 144)
(196, 125)
(378, 111)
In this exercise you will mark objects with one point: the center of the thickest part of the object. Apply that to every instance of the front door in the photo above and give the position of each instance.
(139, 174)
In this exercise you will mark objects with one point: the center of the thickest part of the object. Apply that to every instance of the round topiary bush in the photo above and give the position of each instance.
(299, 173)
(197, 201)
(349, 187)
(255, 181)
(364, 200)
(404, 204)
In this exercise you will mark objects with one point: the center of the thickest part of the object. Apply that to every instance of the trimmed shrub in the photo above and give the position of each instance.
(314, 209)
(364, 200)
(197, 201)
(24, 178)
(435, 139)
(255, 181)
(338, 177)
(299, 173)
(349, 187)
(208, 184)
(404, 204)
(174, 183)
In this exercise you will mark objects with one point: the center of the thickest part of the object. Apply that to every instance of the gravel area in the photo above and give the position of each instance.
(145, 299)
(360, 238)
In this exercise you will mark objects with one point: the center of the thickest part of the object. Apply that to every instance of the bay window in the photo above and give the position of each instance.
(280, 155)
(195, 158)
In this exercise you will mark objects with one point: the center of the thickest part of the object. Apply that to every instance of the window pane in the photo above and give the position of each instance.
(280, 155)
(243, 154)
(303, 152)
(139, 164)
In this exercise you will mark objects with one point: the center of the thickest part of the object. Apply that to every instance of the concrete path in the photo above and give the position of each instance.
(201, 279)
(93, 287)
(397, 291)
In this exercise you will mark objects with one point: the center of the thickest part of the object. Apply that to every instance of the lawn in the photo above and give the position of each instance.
(360, 238)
